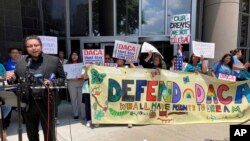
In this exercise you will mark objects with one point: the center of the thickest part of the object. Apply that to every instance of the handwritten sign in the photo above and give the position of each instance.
(73, 70)
(146, 47)
(180, 29)
(125, 50)
(205, 49)
(49, 44)
(93, 56)
(110, 64)
(227, 77)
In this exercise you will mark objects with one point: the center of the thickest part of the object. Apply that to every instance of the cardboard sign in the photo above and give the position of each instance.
(73, 70)
(180, 29)
(205, 49)
(93, 56)
(110, 64)
(49, 44)
(146, 47)
(227, 77)
(125, 50)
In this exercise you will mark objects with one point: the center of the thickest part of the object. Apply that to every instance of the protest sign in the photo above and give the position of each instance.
(110, 64)
(125, 50)
(146, 47)
(205, 49)
(49, 44)
(227, 77)
(73, 70)
(149, 96)
(93, 56)
(180, 29)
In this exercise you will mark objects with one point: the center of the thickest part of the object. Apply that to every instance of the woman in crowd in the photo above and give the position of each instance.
(240, 69)
(156, 61)
(173, 61)
(61, 56)
(74, 87)
(5, 109)
(224, 66)
(196, 64)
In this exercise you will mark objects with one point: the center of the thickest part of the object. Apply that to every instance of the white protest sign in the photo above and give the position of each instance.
(49, 44)
(93, 56)
(125, 50)
(73, 70)
(146, 47)
(180, 29)
(227, 77)
(202, 48)
(110, 64)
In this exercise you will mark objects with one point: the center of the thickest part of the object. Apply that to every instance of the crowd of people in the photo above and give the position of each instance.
(79, 91)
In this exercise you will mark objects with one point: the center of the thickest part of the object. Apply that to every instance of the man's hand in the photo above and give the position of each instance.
(47, 82)
(10, 75)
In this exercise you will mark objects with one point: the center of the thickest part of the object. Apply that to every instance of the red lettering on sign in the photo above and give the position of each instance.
(126, 47)
(93, 52)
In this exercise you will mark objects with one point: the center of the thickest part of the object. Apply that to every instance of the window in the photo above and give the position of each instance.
(176, 7)
(127, 17)
(153, 17)
(79, 17)
(243, 32)
(103, 18)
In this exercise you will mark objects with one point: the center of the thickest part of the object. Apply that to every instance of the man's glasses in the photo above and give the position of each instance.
(35, 45)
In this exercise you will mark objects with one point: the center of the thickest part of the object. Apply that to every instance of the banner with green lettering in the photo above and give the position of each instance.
(147, 96)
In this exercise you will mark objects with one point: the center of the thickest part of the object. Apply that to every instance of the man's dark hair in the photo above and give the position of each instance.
(13, 49)
(32, 37)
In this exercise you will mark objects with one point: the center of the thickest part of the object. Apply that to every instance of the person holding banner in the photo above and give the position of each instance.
(224, 66)
(5, 109)
(239, 68)
(196, 64)
(156, 61)
(121, 63)
(74, 87)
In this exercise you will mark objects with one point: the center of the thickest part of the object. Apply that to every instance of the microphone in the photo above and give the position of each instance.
(38, 77)
(29, 62)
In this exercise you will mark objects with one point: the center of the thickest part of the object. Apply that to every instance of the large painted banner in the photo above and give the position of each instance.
(145, 96)
(180, 29)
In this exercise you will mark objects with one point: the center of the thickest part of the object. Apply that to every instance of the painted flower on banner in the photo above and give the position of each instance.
(99, 114)
(186, 80)
(97, 77)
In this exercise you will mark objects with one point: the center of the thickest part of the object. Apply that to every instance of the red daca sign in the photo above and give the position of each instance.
(126, 47)
(93, 52)
(227, 77)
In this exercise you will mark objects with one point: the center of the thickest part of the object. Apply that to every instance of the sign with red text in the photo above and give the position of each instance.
(157, 96)
(227, 77)
(49, 44)
(125, 50)
(93, 56)
(180, 29)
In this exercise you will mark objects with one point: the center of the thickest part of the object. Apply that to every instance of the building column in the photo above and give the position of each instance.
(221, 25)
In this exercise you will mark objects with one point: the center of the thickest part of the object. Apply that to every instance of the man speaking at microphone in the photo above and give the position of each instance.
(38, 62)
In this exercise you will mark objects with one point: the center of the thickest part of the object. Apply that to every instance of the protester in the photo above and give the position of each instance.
(5, 109)
(74, 87)
(173, 62)
(108, 59)
(196, 64)
(224, 66)
(37, 109)
(156, 61)
(14, 56)
(86, 95)
(61, 56)
(239, 68)
(62, 92)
